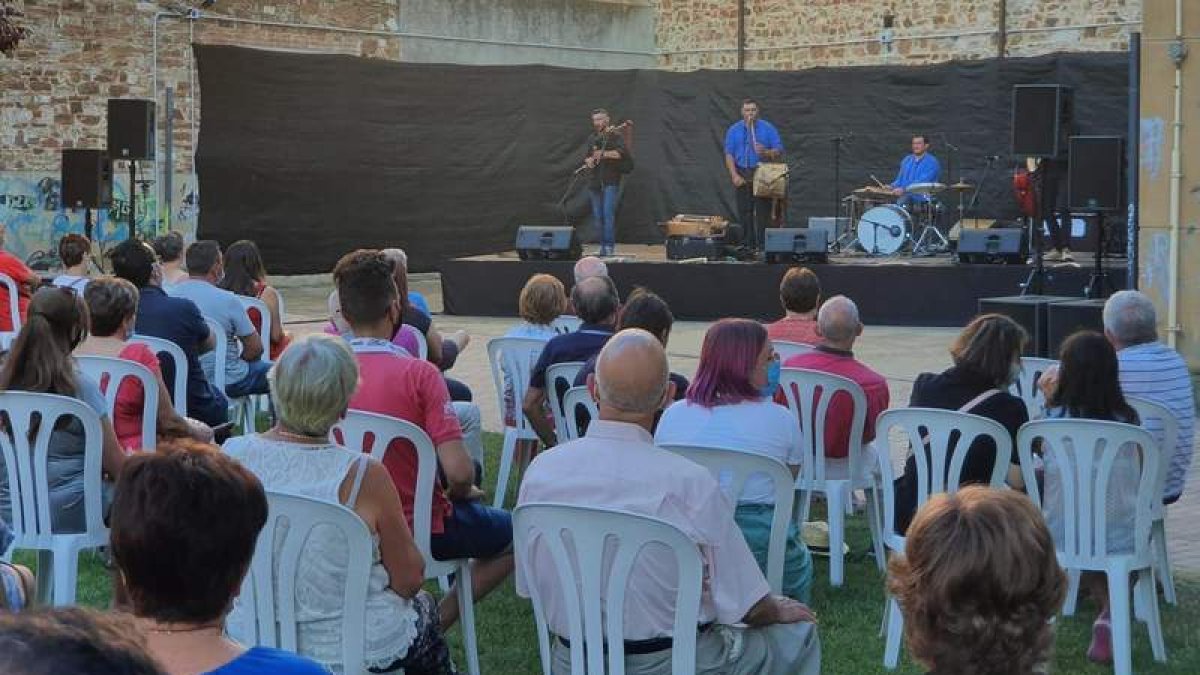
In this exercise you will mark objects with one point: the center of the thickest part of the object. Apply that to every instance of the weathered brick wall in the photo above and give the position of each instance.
(789, 34)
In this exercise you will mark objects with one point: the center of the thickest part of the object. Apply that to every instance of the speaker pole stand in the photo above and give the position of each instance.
(132, 192)
(87, 224)
(1034, 283)
(1098, 285)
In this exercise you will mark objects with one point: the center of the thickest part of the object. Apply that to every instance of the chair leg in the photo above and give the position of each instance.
(45, 577)
(1162, 561)
(466, 606)
(836, 497)
(1146, 590)
(1119, 612)
(895, 629)
(506, 460)
(875, 521)
(1072, 593)
(65, 569)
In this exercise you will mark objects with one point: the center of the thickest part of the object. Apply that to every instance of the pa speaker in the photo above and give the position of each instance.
(1031, 312)
(1096, 175)
(1000, 245)
(86, 179)
(548, 243)
(1041, 120)
(1067, 318)
(794, 244)
(130, 129)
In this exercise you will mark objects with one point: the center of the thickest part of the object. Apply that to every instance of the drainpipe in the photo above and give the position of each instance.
(1002, 29)
(1132, 150)
(1178, 52)
(741, 35)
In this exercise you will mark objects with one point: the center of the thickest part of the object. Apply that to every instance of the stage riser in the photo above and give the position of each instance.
(894, 295)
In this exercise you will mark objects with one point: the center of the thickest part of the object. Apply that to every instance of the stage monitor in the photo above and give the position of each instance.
(1041, 120)
(999, 245)
(796, 244)
(548, 243)
(1096, 177)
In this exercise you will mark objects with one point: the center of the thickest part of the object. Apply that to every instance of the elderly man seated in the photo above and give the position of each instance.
(616, 465)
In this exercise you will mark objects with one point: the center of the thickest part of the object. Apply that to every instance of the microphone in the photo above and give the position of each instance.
(895, 230)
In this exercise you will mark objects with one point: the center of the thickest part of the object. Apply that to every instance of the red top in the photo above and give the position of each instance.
(131, 398)
(794, 329)
(12, 266)
(841, 410)
(256, 321)
(401, 386)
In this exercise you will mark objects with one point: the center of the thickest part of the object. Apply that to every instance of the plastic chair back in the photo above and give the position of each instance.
(559, 378)
(1164, 426)
(14, 301)
(787, 350)
(578, 400)
(263, 326)
(566, 323)
(220, 351)
(1026, 386)
(515, 358)
(110, 374)
(179, 364)
(809, 394)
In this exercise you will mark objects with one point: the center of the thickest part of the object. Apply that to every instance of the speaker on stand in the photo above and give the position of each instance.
(86, 183)
(131, 139)
(1095, 183)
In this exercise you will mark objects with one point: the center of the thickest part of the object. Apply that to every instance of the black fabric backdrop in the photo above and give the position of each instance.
(315, 155)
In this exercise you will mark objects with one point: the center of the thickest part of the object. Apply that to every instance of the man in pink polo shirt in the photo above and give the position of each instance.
(394, 383)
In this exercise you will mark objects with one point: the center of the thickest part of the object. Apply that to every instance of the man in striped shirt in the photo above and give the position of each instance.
(1153, 371)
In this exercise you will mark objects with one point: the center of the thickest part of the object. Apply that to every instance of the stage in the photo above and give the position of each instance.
(899, 291)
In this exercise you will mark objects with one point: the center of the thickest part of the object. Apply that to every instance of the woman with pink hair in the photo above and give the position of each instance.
(729, 405)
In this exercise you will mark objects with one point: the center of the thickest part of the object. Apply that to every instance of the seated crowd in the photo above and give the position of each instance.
(185, 517)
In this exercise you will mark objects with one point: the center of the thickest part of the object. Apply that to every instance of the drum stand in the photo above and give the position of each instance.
(849, 238)
(931, 240)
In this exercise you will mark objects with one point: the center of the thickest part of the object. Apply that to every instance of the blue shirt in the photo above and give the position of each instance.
(580, 346)
(224, 308)
(740, 146)
(417, 300)
(268, 661)
(917, 170)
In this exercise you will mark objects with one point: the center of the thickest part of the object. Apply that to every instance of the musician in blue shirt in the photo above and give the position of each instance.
(919, 167)
(748, 142)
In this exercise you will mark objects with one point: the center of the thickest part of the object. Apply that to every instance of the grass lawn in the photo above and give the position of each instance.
(849, 618)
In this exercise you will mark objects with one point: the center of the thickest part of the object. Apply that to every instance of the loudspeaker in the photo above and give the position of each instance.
(690, 248)
(130, 129)
(86, 179)
(548, 243)
(1095, 179)
(794, 244)
(835, 227)
(1041, 120)
(1066, 318)
(1031, 311)
(1001, 245)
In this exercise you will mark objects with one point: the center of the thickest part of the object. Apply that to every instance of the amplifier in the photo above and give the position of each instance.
(835, 227)
(689, 248)
(1032, 312)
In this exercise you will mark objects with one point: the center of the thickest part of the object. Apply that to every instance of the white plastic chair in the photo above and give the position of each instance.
(787, 350)
(1026, 386)
(361, 430)
(14, 301)
(566, 323)
(269, 590)
(938, 471)
(808, 394)
(240, 409)
(422, 345)
(259, 402)
(515, 358)
(7, 338)
(572, 401)
(179, 383)
(559, 378)
(111, 373)
(1149, 410)
(579, 540)
(26, 467)
(732, 468)
(1085, 451)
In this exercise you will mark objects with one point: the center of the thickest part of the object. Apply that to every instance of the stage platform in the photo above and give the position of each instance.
(901, 291)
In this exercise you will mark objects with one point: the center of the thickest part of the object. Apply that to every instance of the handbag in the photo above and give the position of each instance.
(770, 180)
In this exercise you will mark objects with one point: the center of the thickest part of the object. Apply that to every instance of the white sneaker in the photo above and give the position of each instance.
(1066, 255)
(1052, 256)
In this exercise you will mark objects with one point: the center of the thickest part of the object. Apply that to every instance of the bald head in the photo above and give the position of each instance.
(631, 374)
(595, 300)
(588, 267)
(838, 322)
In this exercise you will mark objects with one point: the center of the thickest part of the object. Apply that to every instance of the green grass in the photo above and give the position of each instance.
(849, 618)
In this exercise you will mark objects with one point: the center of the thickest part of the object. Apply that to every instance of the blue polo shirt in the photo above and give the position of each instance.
(178, 320)
(914, 170)
(740, 147)
(580, 345)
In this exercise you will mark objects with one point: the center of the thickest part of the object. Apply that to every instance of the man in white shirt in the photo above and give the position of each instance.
(617, 466)
(1155, 372)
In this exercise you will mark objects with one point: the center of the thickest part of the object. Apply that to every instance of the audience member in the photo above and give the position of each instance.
(443, 352)
(542, 300)
(40, 361)
(169, 248)
(396, 384)
(800, 294)
(246, 275)
(1086, 385)
(312, 383)
(588, 267)
(987, 359)
(184, 525)
(729, 406)
(979, 584)
(838, 327)
(1155, 372)
(617, 466)
(18, 587)
(414, 298)
(27, 282)
(245, 371)
(646, 310)
(112, 306)
(596, 302)
(72, 640)
(175, 319)
(75, 252)
(406, 337)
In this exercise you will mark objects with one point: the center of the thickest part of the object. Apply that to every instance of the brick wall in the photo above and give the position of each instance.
(790, 34)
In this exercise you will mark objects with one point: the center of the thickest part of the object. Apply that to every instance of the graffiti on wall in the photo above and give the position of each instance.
(34, 219)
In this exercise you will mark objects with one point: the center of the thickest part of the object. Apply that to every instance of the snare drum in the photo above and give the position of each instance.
(884, 229)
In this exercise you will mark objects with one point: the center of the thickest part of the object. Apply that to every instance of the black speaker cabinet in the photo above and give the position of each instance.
(795, 244)
(548, 243)
(1096, 177)
(1000, 245)
(1031, 312)
(86, 179)
(1041, 120)
(691, 248)
(1066, 318)
(130, 129)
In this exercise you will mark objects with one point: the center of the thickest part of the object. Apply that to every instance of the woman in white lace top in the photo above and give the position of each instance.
(311, 385)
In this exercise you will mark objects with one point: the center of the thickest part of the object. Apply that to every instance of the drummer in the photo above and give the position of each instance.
(919, 167)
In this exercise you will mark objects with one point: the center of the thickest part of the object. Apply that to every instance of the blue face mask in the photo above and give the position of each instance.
(773, 371)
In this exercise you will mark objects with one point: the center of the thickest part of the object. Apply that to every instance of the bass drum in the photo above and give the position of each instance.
(884, 229)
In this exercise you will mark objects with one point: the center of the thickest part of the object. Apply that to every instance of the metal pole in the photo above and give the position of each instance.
(1132, 151)
(132, 196)
(1002, 29)
(741, 35)
(166, 203)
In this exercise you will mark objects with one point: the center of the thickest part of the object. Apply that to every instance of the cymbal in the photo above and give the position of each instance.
(929, 189)
(961, 187)
(871, 191)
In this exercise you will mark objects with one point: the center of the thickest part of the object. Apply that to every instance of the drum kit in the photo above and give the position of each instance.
(883, 227)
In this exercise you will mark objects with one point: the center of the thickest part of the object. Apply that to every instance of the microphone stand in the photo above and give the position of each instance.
(952, 159)
(837, 177)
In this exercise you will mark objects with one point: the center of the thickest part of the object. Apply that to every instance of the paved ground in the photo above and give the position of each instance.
(898, 353)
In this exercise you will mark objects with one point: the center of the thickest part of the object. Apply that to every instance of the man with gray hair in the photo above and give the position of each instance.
(617, 466)
(838, 326)
(590, 266)
(1153, 371)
